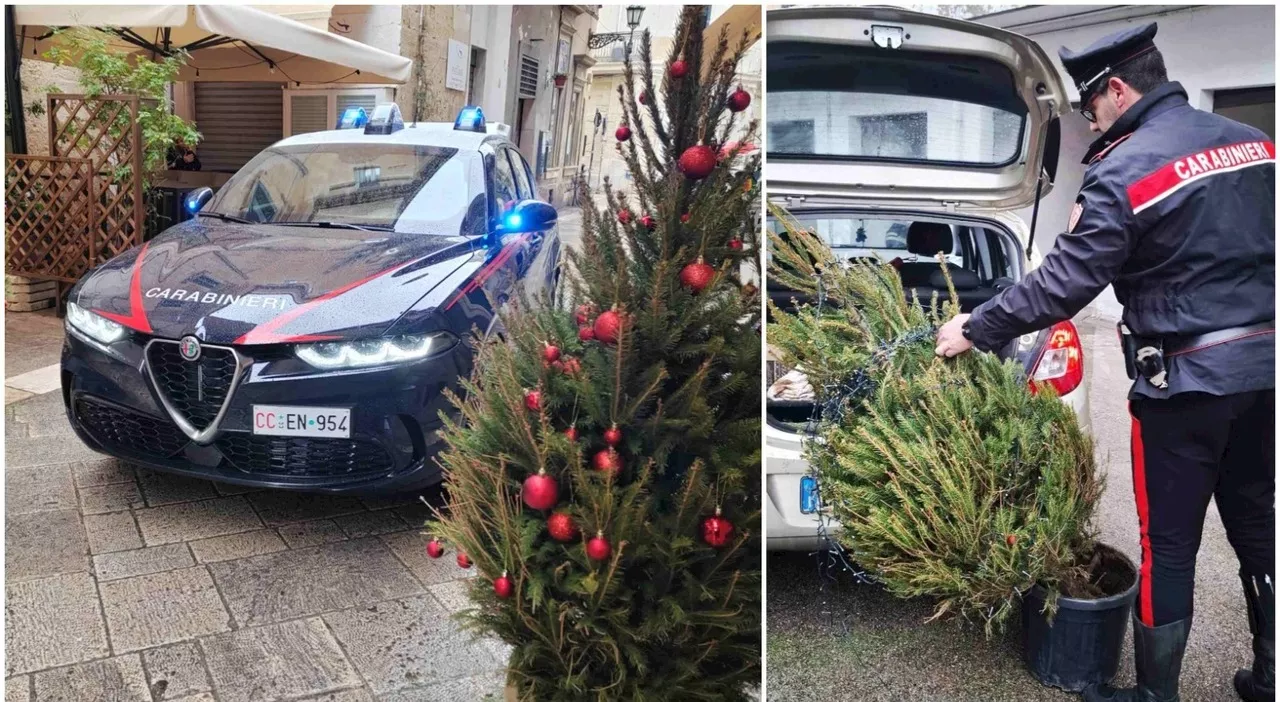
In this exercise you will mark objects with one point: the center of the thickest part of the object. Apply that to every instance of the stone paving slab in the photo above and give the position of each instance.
(357, 695)
(411, 548)
(408, 643)
(39, 490)
(486, 686)
(151, 610)
(112, 532)
(116, 679)
(283, 507)
(40, 415)
(46, 450)
(190, 521)
(277, 661)
(365, 524)
(113, 497)
(292, 584)
(163, 489)
(104, 471)
(52, 622)
(142, 561)
(41, 544)
(313, 533)
(235, 546)
(176, 672)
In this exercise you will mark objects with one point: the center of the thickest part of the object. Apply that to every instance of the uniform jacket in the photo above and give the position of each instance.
(1177, 211)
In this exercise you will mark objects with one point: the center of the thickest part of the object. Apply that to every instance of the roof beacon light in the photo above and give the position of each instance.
(385, 120)
(470, 119)
(353, 118)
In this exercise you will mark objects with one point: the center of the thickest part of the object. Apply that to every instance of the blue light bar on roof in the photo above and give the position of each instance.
(470, 119)
(353, 118)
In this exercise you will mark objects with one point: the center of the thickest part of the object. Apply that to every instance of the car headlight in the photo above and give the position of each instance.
(94, 326)
(374, 352)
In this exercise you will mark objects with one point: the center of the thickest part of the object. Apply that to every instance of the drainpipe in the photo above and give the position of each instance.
(16, 111)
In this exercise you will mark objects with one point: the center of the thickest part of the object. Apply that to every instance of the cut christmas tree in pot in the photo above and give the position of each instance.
(952, 479)
(605, 475)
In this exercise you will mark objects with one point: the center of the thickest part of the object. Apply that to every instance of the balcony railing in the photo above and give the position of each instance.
(615, 52)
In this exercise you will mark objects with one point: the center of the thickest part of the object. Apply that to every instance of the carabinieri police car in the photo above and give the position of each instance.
(299, 330)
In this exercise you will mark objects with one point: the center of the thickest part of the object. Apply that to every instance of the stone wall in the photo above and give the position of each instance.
(37, 77)
(434, 26)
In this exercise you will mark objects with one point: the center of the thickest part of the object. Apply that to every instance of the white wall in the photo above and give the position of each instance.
(375, 25)
(491, 31)
(1205, 48)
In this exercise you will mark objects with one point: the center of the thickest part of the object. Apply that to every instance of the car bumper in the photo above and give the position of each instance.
(114, 408)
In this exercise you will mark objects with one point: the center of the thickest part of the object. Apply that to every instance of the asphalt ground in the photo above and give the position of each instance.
(846, 641)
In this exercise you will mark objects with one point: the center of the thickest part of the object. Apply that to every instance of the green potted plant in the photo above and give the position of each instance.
(951, 479)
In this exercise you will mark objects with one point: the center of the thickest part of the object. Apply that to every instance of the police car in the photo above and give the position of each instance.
(895, 135)
(299, 331)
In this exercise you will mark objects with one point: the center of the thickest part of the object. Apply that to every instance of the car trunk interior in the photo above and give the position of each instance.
(983, 258)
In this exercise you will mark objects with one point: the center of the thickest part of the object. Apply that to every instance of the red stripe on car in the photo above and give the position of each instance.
(137, 317)
(1193, 167)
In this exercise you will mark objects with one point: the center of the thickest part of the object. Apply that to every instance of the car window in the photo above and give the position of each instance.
(844, 102)
(504, 182)
(409, 188)
(523, 185)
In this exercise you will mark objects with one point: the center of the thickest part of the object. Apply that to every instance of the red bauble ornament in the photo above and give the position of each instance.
(561, 528)
(717, 530)
(586, 334)
(735, 244)
(648, 221)
(624, 216)
(613, 435)
(697, 162)
(463, 561)
(571, 433)
(1011, 539)
(533, 400)
(550, 353)
(598, 548)
(678, 68)
(623, 133)
(541, 491)
(502, 586)
(571, 366)
(434, 549)
(583, 314)
(608, 460)
(684, 218)
(697, 276)
(643, 97)
(739, 100)
(607, 326)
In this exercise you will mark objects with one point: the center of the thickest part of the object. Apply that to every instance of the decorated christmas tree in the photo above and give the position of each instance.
(604, 475)
(950, 478)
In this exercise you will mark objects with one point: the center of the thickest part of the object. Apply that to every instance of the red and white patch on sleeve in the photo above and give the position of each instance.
(1202, 164)
(1075, 216)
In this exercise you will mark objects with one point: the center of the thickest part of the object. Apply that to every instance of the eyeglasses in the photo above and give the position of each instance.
(1086, 106)
(1087, 110)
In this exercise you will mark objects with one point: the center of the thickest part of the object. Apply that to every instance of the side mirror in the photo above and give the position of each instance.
(197, 199)
(527, 216)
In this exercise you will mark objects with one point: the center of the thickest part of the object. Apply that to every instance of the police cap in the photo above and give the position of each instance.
(1090, 67)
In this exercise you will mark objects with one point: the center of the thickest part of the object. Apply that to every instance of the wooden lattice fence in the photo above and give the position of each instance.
(50, 217)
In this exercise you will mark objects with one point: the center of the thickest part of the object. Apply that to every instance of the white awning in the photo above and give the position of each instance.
(225, 42)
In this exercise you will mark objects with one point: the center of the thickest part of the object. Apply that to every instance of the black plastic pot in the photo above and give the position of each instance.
(1083, 643)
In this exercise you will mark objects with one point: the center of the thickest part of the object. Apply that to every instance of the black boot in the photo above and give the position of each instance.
(1258, 684)
(1157, 657)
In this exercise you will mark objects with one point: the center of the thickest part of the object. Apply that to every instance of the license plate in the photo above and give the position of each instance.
(808, 494)
(273, 420)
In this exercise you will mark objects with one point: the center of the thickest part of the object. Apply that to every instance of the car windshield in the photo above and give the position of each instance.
(408, 188)
(840, 102)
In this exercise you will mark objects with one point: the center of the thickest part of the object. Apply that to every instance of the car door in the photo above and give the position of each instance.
(543, 247)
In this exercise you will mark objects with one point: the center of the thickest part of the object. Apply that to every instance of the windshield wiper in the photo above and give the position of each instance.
(224, 217)
(340, 225)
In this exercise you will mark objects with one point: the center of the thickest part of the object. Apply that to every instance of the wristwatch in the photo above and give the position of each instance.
(964, 331)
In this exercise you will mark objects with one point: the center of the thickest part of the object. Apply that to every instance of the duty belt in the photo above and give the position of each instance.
(1146, 356)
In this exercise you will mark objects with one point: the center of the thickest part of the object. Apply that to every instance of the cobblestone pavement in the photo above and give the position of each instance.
(843, 641)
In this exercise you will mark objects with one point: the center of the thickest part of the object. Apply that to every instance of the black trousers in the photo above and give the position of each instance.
(1186, 449)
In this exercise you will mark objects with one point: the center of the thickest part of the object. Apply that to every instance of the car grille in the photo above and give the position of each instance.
(301, 457)
(195, 389)
(118, 428)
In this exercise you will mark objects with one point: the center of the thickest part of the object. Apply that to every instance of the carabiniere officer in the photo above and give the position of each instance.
(1177, 213)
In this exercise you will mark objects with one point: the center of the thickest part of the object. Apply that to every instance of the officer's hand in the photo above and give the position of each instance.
(951, 341)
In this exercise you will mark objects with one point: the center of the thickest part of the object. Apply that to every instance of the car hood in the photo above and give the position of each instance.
(262, 284)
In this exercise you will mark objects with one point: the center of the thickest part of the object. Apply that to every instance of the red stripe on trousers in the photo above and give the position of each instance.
(1145, 608)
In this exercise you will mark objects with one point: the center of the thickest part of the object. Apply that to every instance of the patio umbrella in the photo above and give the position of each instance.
(225, 42)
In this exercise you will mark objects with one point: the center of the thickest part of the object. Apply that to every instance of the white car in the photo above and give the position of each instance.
(883, 120)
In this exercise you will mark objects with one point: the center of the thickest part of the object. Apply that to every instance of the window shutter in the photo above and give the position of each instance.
(528, 76)
(309, 113)
(366, 100)
(236, 121)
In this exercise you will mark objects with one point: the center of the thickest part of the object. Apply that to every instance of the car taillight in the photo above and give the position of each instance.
(1061, 362)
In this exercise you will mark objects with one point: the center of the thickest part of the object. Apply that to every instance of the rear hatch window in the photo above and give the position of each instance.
(850, 102)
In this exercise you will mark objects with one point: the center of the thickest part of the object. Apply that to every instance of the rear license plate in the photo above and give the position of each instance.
(275, 420)
(808, 494)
